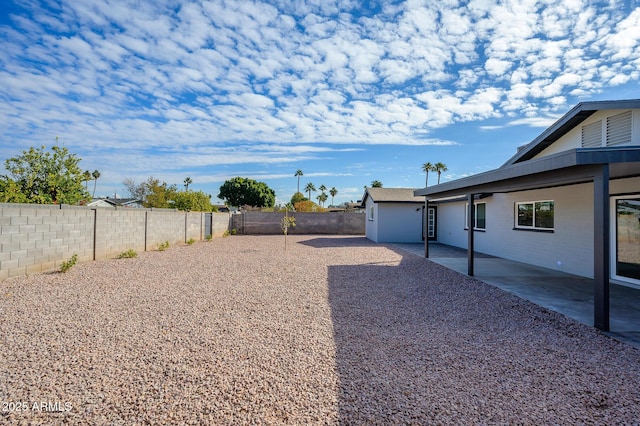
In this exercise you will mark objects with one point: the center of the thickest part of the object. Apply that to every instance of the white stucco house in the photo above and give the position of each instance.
(569, 201)
(394, 215)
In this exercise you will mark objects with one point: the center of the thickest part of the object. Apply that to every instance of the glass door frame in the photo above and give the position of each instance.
(631, 282)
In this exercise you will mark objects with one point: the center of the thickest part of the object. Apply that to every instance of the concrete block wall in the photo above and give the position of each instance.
(165, 225)
(39, 238)
(118, 231)
(194, 226)
(256, 223)
(36, 238)
(220, 222)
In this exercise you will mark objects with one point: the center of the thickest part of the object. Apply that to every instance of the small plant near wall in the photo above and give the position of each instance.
(208, 237)
(234, 231)
(286, 223)
(163, 246)
(226, 233)
(68, 264)
(129, 254)
(191, 241)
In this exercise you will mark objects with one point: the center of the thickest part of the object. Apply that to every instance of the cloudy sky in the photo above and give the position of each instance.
(347, 91)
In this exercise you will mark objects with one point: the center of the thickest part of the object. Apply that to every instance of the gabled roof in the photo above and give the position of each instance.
(391, 195)
(575, 116)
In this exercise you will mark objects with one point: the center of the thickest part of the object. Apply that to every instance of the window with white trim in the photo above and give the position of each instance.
(371, 213)
(480, 216)
(534, 215)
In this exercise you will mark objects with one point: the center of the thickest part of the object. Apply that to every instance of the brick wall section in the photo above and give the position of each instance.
(118, 231)
(306, 223)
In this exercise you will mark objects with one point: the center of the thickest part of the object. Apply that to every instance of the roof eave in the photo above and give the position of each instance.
(570, 120)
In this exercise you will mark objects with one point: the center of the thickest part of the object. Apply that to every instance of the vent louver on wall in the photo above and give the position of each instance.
(619, 129)
(592, 135)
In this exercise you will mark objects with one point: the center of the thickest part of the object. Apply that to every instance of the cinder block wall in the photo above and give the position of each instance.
(306, 223)
(35, 238)
(119, 230)
(194, 226)
(165, 225)
(220, 222)
(39, 238)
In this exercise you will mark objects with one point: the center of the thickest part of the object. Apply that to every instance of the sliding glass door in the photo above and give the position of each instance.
(626, 239)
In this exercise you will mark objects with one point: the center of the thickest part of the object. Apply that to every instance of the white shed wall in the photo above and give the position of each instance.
(371, 226)
(399, 223)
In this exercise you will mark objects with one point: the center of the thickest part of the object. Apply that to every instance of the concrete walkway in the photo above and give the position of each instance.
(567, 294)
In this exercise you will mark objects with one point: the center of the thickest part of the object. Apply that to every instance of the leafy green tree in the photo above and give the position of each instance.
(306, 206)
(310, 187)
(96, 175)
(298, 174)
(376, 184)
(10, 192)
(298, 196)
(241, 191)
(196, 201)
(439, 168)
(43, 177)
(333, 191)
(159, 194)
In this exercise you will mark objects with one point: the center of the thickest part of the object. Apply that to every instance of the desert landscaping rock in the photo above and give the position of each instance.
(335, 330)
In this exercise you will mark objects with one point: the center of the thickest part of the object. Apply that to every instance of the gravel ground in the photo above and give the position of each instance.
(336, 330)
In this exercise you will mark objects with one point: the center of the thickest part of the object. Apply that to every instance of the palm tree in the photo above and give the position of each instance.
(439, 168)
(87, 177)
(96, 175)
(376, 184)
(298, 174)
(322, 188)
(322, 198)
(427, 167)
(333, 191)
(187, 182)
(310, 187)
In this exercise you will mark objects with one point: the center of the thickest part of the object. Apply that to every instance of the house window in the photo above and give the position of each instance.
(371, 213)
(480, 217)
(535, 215)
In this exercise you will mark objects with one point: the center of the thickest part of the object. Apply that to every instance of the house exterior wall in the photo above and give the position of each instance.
(399, 222)
(569, 248)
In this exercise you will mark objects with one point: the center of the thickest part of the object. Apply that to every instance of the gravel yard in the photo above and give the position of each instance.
(336, 330)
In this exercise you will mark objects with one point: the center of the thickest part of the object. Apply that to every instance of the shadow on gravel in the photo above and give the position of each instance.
(341, 241)
(417, 343)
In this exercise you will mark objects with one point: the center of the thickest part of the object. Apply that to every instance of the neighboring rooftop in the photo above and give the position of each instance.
(391, 195)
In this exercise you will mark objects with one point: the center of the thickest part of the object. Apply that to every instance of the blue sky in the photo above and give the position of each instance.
(348, 92)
